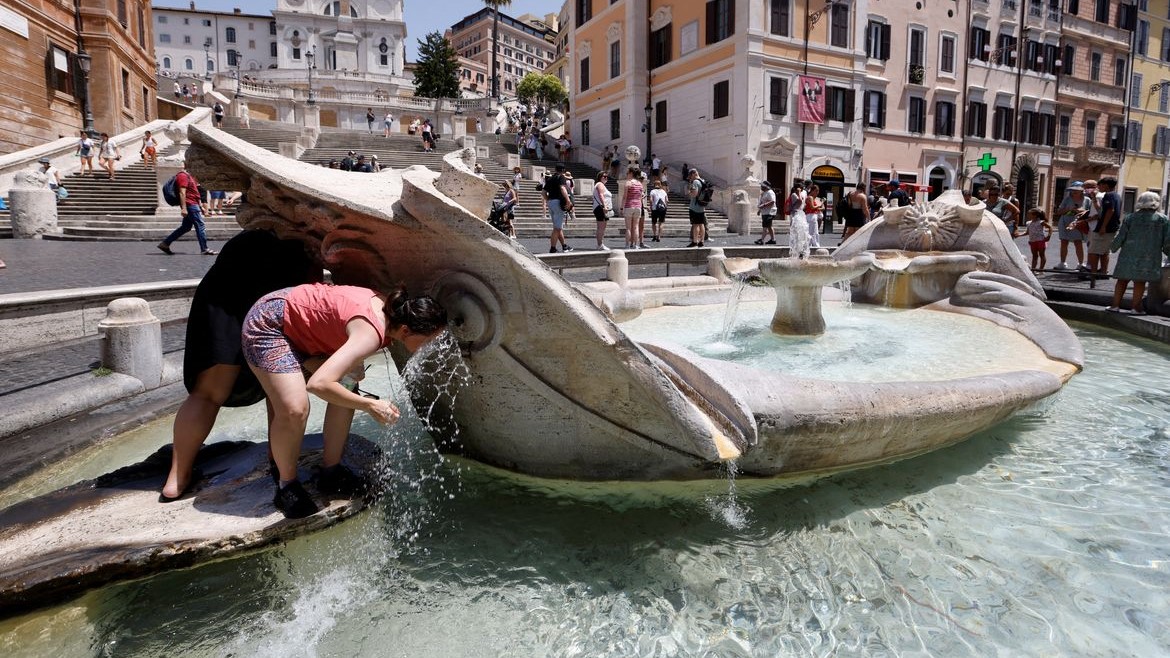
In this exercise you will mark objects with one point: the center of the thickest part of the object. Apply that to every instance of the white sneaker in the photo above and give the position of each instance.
(1061, 266)
(602, 247)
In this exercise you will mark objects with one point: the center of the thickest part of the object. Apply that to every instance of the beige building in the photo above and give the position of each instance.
(43, 95)
(526, 44)
(1148, 128)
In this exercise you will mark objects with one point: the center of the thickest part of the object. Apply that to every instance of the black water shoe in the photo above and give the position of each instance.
(340, 481)
(294, 502)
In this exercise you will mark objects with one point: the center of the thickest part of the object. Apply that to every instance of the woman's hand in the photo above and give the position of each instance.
(382, 411)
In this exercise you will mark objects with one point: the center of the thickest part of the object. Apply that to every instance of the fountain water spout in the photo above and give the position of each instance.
(798, 285)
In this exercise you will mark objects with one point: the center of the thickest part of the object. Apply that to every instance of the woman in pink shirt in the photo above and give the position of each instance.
(339, 326)
(632, 208)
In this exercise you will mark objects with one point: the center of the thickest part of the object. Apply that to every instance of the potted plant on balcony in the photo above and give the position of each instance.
(917, 74)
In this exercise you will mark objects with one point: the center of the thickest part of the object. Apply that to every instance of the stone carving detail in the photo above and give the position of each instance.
(585, 49)
(661, 18)
(613, 32)
(633, 154)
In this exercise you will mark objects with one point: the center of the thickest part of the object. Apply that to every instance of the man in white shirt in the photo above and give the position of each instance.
(655, 165)
(767, 210)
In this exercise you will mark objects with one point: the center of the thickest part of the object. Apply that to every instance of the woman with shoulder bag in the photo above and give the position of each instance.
(602, 207)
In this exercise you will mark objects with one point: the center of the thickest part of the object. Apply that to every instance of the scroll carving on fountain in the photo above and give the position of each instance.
(561, 391)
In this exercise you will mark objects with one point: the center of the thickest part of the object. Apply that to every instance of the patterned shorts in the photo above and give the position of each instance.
(264, 343)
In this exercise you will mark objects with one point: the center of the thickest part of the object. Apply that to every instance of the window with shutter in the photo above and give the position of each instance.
(1135, 91)
(778, 96)
(781, 17)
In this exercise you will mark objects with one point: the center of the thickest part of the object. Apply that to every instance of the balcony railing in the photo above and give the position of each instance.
(382, 99)
(1098, 155)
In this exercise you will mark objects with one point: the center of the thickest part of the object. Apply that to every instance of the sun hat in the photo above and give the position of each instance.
(1076, 186)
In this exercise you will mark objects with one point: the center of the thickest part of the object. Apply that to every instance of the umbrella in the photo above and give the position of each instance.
(219, 97)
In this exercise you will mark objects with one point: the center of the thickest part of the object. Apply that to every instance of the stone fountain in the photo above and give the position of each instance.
(799, 283)
(560, 391)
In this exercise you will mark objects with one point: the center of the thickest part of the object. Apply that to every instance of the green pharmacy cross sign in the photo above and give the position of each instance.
(986, 162)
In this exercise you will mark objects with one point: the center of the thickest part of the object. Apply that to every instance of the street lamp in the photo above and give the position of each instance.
(237, 76)
(206, 61)
(85, 62)
(649, 110)
(309, 56)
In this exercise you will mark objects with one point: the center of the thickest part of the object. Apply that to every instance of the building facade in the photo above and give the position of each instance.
(197, 43)
(361, 37)
(48, 46)
(526, 44)
(1145, 166)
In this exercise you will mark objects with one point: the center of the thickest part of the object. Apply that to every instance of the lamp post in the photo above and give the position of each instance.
(84, 62)
(648, 110)
(237, 77)
(309, 56)
(206, 61)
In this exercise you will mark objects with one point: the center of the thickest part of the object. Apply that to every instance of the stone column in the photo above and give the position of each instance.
(132, 344)
(715, 258)
(739, 215)
(617, 268)
(34, 212)
(166, 169)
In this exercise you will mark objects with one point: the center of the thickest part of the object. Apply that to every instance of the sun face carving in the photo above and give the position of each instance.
(929, 226)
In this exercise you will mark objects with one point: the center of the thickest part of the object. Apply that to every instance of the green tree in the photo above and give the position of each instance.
(541, 89)
(436, 75)
(495, 5)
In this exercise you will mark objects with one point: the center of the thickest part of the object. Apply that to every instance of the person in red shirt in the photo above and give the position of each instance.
(192, 210)
(343, 325)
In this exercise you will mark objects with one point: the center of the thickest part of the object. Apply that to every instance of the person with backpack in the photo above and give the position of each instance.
(370, 119)
(218, 113)
(658, 205)
(559, 201)
(190, 203)
(696, 208)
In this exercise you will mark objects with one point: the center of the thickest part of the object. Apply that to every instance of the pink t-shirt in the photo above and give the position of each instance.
(315, 315)
(633, 195)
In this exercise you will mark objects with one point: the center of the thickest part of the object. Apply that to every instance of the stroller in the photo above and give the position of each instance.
(500, 216)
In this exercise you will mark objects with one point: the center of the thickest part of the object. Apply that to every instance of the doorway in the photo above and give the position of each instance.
(1026, 188)
(936, 181)
(777, 175)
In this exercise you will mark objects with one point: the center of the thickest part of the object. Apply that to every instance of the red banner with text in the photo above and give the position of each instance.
(810, 107)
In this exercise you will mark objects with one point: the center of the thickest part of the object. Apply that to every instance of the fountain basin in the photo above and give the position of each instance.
(909, 279)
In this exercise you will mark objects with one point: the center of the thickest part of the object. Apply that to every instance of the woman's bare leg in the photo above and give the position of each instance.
(290, 414)
(338, 420)
(193, 422)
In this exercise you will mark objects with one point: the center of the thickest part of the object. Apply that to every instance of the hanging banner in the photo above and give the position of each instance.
(810, 106)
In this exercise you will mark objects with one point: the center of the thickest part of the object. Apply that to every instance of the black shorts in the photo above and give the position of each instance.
(600, 214)
(658, 215)
(854, 218)
(766, 220)
(698, 217)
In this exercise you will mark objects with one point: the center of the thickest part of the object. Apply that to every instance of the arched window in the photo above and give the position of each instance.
(189, 64)
(210, 65)
(229, 35)
(166, 62)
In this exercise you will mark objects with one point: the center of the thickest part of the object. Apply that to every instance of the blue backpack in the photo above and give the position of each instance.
(170, 191)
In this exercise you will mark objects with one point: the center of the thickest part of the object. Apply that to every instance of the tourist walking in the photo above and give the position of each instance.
(387, 124)
(517, 176)
(343, 326)
(1104, 229)
(191, 207)
(149, 149)
(814, 212)
(767, 209)
(1039, 233)
(215, 200)
(427, 137)
(559, 201)
(632, 208)
(253, 264)
(85, 149)
(1142, 240)
(217, 114)
(658, 207)
(1072, 209)
(178, 91)
(370, 119)
(108, 154)
(602, 207)
(508, 205)
(898, 196)
(695, 210)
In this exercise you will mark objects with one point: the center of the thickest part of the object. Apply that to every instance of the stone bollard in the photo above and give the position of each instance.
(739, 215)
(617, 268)
(34, 212)
(132, 342)
(715, 265)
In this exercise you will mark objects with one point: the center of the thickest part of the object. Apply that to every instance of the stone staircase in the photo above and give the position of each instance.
(265, 134)
(121, 209)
